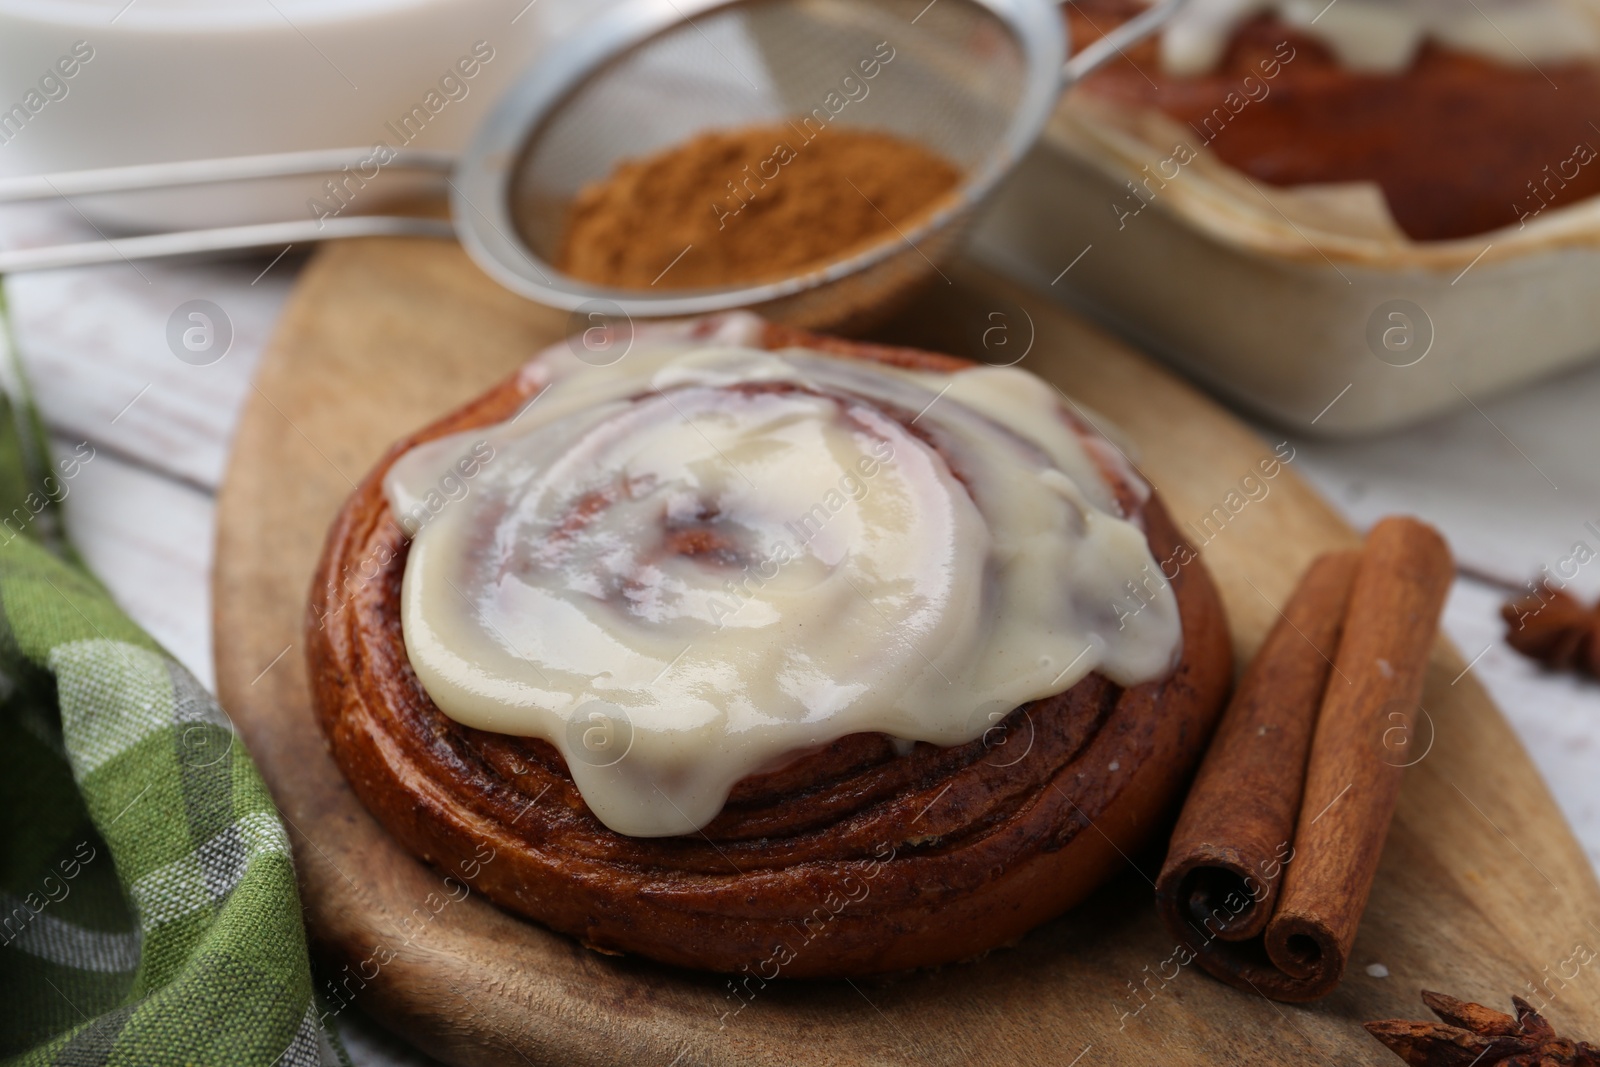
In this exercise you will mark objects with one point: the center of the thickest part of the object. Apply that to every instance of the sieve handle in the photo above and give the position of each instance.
(146, 176)
(223, 239)
(1112, 44)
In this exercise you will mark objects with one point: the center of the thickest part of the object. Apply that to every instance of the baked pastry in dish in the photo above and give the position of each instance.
(944, 656)
(1470, 117)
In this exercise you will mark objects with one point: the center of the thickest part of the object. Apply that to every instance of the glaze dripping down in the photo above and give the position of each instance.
(684, 567)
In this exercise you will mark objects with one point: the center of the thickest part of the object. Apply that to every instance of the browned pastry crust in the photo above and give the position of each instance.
(1459, 144)
(849, 860)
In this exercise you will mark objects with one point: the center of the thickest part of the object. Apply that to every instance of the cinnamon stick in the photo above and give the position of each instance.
(1223, 868)
(1351, 787)
(1248, 818)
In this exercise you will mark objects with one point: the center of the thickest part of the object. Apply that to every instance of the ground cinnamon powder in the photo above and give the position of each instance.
(750, 205)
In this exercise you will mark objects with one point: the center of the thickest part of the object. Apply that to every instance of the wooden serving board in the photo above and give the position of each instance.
(1482, 889)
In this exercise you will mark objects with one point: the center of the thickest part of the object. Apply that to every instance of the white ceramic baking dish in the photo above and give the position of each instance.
(1306, 305)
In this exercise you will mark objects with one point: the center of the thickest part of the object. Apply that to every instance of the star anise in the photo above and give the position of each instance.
(1471, 1035)
(1553, 627)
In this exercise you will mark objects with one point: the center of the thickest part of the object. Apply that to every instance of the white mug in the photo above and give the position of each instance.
(97, 83)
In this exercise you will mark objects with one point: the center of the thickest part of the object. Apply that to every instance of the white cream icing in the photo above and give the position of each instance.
(848, 581)
(1384, 35)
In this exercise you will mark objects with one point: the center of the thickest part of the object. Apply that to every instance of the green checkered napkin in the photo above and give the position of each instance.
(148, 909)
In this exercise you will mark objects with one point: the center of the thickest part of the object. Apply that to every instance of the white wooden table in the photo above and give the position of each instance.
(1511, 484)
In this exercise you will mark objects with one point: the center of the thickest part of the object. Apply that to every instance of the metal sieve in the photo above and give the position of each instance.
(973, 80)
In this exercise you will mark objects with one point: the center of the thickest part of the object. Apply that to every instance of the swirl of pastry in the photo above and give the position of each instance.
(708, 557)
(527, 609)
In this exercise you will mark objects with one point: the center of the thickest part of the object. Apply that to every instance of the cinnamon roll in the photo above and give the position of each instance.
(1469, 116)
(766, 653)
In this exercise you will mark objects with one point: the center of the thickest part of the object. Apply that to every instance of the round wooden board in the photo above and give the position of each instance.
(1482, 888)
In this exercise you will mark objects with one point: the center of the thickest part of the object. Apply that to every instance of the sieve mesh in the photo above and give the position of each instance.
(954, 78)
